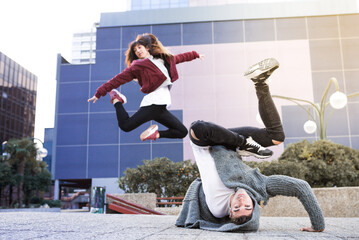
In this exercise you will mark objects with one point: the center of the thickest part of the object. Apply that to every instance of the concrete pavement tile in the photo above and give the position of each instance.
(22, 235)
(141, 230)
(236, 237)
(314, 237)
(271, 238)
(172, 237)
(220, 235)
(118, 226)
(183, 231)
(175, 233)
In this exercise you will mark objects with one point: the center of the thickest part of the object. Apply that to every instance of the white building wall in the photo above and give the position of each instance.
(111, 184)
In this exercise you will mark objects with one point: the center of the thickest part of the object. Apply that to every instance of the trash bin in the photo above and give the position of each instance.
(98, 199)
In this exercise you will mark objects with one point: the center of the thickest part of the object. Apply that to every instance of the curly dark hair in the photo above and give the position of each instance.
(240, 220)
(149, 41)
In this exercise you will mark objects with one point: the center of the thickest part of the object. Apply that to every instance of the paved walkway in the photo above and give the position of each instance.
(75, 225)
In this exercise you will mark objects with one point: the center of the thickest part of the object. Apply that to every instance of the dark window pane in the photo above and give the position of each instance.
(323, 27)
(351, 53)
(129, 34)
(133, 155)
(259, 30)
(108, 38)
(103, 161)
(349, 26)
(291, 28)
(101, 125)
(197, 33)
(72, 97)
(228, 31)
(72, 129)
(169, 35)
(325, 54)
(70, 162)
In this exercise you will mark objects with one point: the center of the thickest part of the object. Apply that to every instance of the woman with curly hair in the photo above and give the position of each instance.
(154, 67)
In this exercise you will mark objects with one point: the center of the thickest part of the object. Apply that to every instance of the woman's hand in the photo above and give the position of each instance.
(201, 56)
(94, 99)
(310, 229)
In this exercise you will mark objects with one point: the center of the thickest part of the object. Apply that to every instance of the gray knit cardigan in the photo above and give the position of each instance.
(236, 174)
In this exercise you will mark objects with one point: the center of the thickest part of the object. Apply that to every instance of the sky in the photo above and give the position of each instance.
(33, 32)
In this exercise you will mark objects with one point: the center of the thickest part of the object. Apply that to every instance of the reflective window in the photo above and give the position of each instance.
(2, 67)
(17, 104)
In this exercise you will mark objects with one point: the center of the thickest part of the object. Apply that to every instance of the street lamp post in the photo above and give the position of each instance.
(4, 155)
(337, 100)
(41, 152)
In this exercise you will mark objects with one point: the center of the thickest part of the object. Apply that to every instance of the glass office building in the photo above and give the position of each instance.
(155, 4)
(17, 100)
(312, 43)
(48, 139)
(83, 47)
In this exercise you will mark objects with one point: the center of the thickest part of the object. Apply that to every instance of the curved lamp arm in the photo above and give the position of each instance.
(301, 100)
(43, 151)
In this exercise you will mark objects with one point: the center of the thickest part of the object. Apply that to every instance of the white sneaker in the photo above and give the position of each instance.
(259, 72)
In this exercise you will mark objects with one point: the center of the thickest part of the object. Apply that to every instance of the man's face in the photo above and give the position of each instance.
(241, 204)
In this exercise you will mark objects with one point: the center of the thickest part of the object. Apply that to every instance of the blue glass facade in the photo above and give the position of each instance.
(154, 4)
(48, 143)
(89, 143)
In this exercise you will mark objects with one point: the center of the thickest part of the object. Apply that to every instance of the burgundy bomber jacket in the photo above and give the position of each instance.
(149, 76)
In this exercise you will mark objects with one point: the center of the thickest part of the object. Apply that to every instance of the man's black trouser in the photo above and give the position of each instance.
(210, 134)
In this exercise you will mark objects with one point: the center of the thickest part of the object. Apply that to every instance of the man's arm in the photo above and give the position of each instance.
(288, 186)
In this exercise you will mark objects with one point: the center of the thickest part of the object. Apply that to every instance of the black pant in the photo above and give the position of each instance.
(158, 113)
(210, 134)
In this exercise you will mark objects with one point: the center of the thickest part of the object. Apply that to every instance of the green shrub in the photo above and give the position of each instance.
(161, 176)
(35, 200)
(321, 164)
(52, 203)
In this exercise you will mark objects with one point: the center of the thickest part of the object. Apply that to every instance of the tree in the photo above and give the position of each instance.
(6, 178)
(43, 178)
(161, 176)
(321, 164)
(36, 179)
(21, 151)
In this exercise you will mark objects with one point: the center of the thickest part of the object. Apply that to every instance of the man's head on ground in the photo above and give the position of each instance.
(241, 207)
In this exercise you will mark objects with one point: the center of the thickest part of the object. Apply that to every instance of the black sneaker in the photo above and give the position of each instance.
(252, 148)
(259, 72)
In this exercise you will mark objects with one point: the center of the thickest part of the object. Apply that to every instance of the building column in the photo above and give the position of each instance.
(57, 190)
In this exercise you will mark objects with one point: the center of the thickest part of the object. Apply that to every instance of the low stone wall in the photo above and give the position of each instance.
(147, 200)
(169, 210)
(335, 202)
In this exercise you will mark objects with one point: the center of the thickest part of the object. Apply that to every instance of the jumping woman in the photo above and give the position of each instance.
(154, 67)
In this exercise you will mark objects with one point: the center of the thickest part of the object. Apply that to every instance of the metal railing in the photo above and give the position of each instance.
(126, 207)
(169, 201)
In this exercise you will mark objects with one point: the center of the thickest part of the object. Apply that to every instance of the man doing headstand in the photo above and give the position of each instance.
(227, 196)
